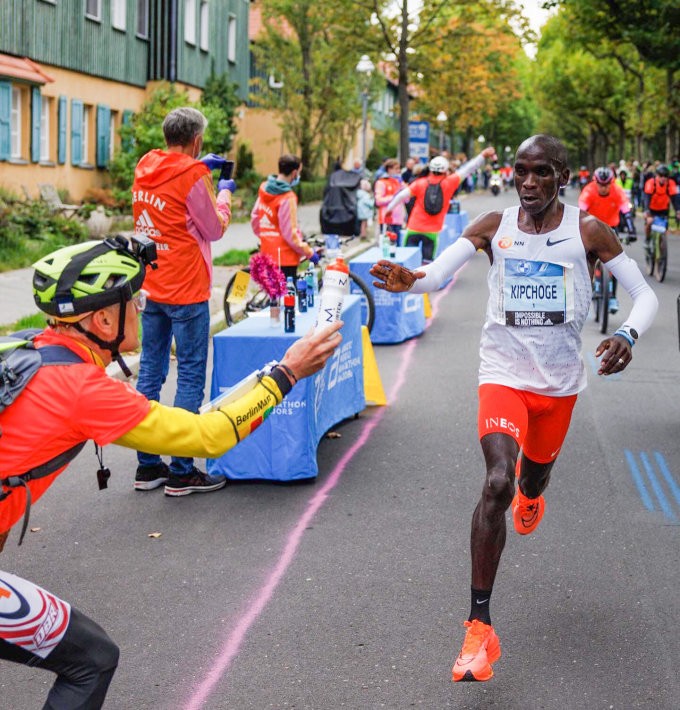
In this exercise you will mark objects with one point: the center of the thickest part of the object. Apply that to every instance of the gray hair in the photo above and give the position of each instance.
(182, 125)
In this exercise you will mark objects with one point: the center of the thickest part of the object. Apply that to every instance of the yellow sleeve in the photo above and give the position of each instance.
(174, 431)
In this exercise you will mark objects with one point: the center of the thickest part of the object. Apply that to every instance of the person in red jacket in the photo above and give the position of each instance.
(274, 218)
(659, 192)
(92, 294)
(384, 189)
(173, 203)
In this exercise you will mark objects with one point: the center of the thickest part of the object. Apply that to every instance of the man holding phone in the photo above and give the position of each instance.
(174, 203)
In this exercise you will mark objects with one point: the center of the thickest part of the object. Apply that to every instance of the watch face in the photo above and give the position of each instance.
(634, 334)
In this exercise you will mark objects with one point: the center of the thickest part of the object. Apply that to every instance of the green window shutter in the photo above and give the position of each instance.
(36, 106)
(76, 131)
(126, 142)
(103, 135)
(5, 115)
(61, 130)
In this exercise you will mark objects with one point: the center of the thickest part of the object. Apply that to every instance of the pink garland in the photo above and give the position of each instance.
(267, 275)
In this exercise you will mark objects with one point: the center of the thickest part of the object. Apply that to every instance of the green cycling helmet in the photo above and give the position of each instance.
(85, 277)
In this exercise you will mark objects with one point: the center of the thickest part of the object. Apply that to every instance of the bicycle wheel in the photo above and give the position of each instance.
(604, 302)
(597, 290)
(650, 259)
(359, 287)
(254, 299)
(662, 259)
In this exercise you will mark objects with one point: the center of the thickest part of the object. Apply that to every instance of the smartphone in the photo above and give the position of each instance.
(227, 170)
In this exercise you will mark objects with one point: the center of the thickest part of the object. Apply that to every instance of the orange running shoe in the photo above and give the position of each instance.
(526, 512)
(481, 648)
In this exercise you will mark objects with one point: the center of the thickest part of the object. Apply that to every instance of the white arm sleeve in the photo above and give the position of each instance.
(445, 265)
(468, 168)
(402, 196)
(645, 302)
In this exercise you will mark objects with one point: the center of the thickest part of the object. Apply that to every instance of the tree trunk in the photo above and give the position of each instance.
(403, 96)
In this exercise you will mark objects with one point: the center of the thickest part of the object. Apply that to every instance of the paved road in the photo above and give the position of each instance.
(350, 593)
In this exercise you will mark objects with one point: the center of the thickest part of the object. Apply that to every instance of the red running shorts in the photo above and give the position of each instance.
(537, 422)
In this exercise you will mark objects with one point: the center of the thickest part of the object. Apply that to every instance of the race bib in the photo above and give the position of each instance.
(535, 293)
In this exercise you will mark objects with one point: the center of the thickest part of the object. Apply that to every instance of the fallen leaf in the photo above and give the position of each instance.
(154, 535)
(333, 435)
(36, 529)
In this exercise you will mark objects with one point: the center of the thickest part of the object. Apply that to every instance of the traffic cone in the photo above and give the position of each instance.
(427, 306)
(373, 388)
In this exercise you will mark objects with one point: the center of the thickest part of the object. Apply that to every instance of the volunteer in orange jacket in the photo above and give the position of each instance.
(274, 218)
(173, 202)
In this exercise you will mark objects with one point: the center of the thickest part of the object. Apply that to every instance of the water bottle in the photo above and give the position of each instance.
(335, 286)
(289, 313)
(302, 294)
(393, 244)
(332, 245)
(290, 286)
(385, 245)
(310, 278)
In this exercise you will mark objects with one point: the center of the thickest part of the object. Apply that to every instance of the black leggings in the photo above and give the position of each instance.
(84, 661)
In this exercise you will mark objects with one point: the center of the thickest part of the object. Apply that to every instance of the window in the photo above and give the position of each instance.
(112, 135)
(93, 9)
(118, 8)
(205, 25)
(143, 18)
(190, 21)
(231, 39)
(85, 134)
(45, 110)
(15, 123)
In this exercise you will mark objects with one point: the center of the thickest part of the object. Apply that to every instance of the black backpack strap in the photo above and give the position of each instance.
(44, 469)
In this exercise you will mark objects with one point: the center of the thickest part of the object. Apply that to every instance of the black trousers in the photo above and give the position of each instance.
(84, 661)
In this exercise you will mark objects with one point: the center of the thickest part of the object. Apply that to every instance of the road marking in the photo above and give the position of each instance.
(662, 500)
(236, 636)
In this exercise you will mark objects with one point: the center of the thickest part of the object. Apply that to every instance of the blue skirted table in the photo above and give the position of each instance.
(398, 316)
(284, 447)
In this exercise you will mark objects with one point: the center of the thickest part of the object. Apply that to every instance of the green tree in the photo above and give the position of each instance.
(221, 93)
(307, 49)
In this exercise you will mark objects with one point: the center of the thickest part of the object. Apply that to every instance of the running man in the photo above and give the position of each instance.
(542, 255)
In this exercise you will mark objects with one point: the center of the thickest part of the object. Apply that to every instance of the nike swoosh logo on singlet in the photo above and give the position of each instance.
(559, 241)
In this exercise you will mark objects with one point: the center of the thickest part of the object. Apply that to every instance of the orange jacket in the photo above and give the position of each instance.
(173, 202)
(660, 195)
(606, 208)
(274, 221)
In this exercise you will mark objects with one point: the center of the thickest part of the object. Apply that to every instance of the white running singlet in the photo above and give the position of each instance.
(539, 296)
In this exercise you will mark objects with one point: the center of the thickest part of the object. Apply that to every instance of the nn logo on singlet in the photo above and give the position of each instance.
(145, 225)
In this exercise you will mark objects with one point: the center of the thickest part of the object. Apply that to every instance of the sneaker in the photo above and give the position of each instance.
(194, 482)
(632, 238)
(613, 304)
(149, 477)
(526, 512)
(481, 648)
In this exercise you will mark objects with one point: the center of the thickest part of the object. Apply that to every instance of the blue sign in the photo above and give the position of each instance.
(419, 140)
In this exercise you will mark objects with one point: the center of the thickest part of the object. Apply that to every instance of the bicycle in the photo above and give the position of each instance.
(243, 297)
(603, 288)
(656, 249)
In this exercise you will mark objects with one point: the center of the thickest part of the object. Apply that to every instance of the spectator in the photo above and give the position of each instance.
(173, 202)
(63, 407)
(274, 218)
(365, 206)
(385, 188)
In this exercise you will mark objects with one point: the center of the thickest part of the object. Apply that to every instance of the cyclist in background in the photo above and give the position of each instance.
(660, 190)
(604, 199)
(583, 177)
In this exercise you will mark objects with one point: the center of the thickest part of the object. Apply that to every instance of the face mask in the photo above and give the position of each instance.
(295, 182)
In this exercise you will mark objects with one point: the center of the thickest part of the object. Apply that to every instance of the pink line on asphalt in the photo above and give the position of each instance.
(234, 640)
